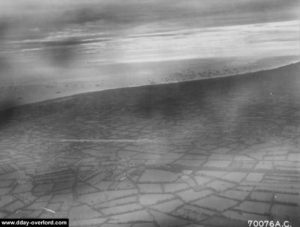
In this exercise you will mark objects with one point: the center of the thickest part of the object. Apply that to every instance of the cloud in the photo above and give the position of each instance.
(205, 12)
(134, 12)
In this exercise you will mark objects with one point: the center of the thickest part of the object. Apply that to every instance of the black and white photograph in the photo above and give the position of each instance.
(150, 113)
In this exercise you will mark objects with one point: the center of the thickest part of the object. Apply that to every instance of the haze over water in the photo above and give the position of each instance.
(117, 44)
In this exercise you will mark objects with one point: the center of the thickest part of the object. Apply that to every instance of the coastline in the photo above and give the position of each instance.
(93, 86)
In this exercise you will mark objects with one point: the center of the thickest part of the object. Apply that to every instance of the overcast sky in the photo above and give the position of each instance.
(114, 31)
(113, 15)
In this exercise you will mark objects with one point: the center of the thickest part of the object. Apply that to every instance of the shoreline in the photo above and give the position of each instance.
(158, 84)
(70, 95)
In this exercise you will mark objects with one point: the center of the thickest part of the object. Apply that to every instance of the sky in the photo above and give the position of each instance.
(129, 11)
(113, 16)
(55, 33)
